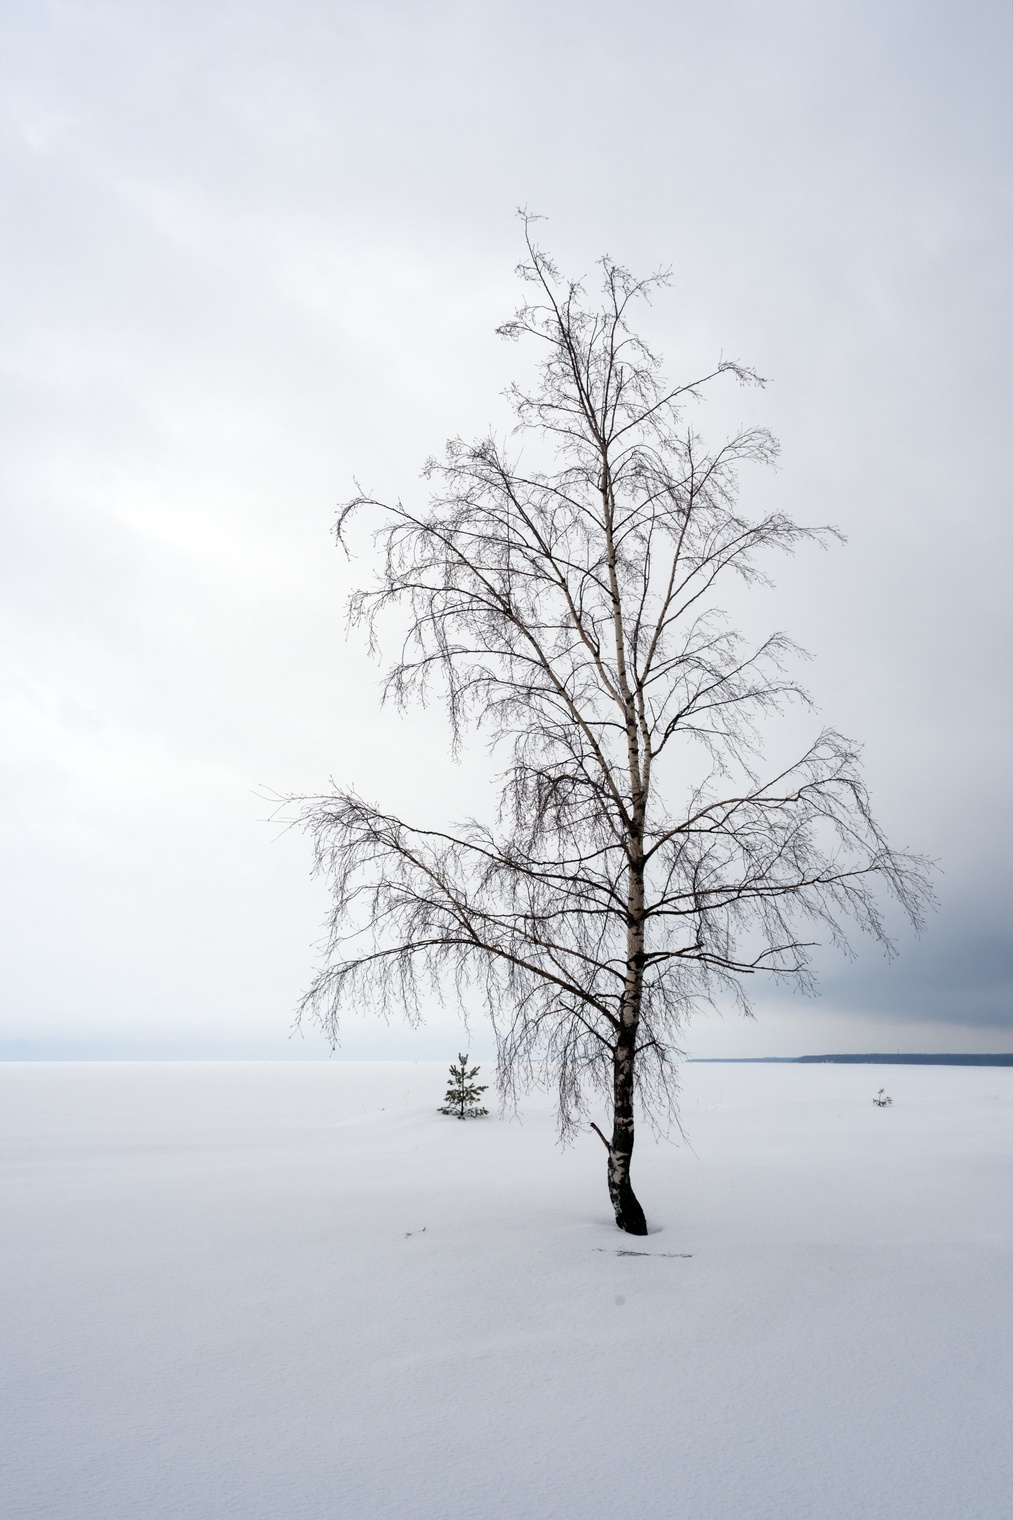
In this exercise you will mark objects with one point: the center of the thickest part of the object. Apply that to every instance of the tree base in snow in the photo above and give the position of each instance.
(629, 1214)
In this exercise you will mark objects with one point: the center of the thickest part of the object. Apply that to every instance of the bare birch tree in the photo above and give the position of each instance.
(641, 862)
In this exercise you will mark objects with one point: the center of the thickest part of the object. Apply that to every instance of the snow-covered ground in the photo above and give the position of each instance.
(296, 1292)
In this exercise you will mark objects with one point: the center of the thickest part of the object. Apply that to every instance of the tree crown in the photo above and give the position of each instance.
(570, 612)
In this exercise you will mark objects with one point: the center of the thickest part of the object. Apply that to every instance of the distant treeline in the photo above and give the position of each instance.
(916, 1060)
(868, 1060)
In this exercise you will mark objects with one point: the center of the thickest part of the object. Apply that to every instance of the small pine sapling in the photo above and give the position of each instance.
(462, 1093)
(881, 1099)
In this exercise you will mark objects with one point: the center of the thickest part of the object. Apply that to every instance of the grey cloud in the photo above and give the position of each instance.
(253, 251)
(961, 976)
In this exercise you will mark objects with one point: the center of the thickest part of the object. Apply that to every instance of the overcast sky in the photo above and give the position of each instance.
(252, 251)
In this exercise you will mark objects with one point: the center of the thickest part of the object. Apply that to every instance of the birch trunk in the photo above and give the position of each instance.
(628, 1212)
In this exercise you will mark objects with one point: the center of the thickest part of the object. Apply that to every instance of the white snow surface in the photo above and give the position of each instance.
(295, 1291)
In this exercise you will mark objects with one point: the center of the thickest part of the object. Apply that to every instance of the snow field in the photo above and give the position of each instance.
(294, 1291)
